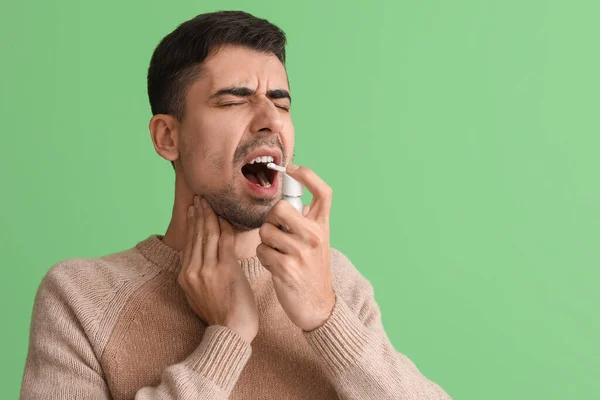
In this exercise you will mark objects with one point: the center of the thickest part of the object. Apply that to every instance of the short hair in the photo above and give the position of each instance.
(176, 60)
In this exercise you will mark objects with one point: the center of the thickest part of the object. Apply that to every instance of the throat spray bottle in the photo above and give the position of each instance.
(292, 189)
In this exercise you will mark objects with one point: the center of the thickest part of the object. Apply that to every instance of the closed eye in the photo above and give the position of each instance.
(231, 104)
(239, 104)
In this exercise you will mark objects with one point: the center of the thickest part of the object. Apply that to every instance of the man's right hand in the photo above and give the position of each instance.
(214, 284)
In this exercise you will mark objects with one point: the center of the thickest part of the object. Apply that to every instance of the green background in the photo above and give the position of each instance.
(460, 139)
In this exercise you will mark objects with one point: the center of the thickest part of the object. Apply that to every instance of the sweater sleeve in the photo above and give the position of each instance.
(210, 372)
(355, 351)
(61, 362)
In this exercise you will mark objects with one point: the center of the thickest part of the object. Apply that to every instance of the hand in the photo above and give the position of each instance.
(213, 282)
(299, 258)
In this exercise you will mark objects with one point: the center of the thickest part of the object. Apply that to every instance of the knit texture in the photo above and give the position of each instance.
(119, 327)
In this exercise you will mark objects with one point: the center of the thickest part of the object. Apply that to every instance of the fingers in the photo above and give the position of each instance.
(321, 203)
(208, 236)
(283, 213)
(211, 234)
(269, 257)
(192, 252)
(198, 228)
(226, 241)
(187, 250)
(276, 239)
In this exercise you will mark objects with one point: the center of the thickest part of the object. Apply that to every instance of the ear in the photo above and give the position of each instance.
(164, 131)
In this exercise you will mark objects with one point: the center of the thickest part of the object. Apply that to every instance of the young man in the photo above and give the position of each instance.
(225, 304)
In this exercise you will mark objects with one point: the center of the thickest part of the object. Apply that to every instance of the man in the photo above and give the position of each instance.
(225, 304)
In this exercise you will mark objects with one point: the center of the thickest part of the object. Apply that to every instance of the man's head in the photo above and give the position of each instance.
(219, 92)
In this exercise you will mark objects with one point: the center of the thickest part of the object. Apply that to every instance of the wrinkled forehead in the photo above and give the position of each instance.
(240, 66)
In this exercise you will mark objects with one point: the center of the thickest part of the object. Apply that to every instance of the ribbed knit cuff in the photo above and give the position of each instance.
(341, 341)
(221, 356)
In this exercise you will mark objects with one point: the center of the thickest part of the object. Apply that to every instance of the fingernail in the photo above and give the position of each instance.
(190, 211)
(292, 167)
(204, 203)
(196, 201)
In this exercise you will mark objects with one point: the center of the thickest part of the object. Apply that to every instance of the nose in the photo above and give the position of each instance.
(267, 118)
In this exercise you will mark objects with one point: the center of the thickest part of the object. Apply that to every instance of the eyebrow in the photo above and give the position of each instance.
(240, 91)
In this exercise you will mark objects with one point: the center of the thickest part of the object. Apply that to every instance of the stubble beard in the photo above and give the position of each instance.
(243, 214)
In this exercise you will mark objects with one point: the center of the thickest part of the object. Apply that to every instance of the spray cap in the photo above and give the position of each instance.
(291, 187)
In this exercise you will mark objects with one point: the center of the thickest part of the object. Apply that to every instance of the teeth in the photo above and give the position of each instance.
(263, 159)
(263, 179)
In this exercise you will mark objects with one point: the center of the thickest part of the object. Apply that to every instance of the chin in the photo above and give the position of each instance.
(247, 218)
(243, 228)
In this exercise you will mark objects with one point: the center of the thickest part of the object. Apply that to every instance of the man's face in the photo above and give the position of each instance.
(235, 111)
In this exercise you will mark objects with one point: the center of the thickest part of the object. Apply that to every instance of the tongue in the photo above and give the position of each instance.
(258, 178)
(252, 178)
(262, 178)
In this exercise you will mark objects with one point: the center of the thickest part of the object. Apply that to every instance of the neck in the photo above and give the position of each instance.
(176, 235)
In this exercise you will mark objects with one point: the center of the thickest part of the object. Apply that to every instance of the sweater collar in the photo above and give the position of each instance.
(167, 258)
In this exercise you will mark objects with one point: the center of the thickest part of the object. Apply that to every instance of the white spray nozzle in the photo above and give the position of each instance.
(275, 167)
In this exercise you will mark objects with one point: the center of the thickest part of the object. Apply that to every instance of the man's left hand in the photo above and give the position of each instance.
(299, 258)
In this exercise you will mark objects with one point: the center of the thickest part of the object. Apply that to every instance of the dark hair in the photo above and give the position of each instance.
(176, 60)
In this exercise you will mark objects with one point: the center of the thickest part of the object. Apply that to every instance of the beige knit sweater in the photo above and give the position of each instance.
(119, 327)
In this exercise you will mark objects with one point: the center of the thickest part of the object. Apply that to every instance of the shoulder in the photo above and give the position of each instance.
(85, 289)
(82, 278)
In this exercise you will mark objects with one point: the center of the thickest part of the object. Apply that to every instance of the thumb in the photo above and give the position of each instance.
(305, 210)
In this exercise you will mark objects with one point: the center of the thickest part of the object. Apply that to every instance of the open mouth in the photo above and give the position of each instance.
(257, 172)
